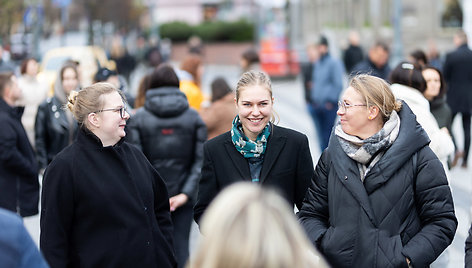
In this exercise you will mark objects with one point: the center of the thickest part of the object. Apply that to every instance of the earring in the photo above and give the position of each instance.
(370, 117)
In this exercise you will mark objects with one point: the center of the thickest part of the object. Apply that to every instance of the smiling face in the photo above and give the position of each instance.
(433, 83)
(255, 109)
(110, 126)
(355, 118)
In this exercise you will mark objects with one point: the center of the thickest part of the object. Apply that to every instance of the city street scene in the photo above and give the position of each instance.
(126, 128)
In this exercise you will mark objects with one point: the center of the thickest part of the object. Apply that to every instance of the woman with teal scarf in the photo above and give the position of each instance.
(255, 149)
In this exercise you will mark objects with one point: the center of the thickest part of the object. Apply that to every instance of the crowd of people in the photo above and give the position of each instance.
(125, 172)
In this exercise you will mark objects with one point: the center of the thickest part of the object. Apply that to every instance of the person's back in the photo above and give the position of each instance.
(171, 136)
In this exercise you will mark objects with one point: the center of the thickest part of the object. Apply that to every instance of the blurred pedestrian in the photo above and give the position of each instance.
(376, 63)
(18, 167)
(353, 53)
(218, 117)
(34, 92)
(56, 128)
(435, 93)
(307, 71)
(250, 61)
(5, 66)
(434, 59)
(103, 204)
(17, 248)
(409, 85)
(458, 76)
(171, 136)
(106, 75)
(195, 45)
(418, 58)
(379, 197)
(326, 86)
(255, 149)
(190, 75)
(251, 227)
(142, 88)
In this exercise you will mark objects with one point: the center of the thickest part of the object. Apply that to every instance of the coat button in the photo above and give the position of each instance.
(145, 208)
(57, 114)
(345, 178)
(54, 108)
(148, 243)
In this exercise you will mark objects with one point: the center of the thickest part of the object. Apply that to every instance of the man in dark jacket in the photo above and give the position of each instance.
(376, 63)
(458, 76)
(353, 54)
(18, 169)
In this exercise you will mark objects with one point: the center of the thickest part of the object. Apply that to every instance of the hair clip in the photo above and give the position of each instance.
(408, 66)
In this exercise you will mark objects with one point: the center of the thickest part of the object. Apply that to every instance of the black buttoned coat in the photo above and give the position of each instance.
(287, 167)
(104, 207)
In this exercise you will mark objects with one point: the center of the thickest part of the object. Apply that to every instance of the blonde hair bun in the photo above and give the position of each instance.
(72, 99)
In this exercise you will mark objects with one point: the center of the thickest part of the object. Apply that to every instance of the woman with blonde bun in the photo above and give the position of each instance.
(248, 226)
(103, 204)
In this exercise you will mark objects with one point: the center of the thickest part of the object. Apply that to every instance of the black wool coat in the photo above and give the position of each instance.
(458, 75)
(104, 207)
(403, 209)
(19, 185)
(287, 167)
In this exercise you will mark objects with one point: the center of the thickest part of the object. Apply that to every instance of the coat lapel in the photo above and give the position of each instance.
(238, 160)
(274, 147)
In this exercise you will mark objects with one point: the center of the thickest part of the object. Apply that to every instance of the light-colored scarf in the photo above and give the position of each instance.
(369, 151)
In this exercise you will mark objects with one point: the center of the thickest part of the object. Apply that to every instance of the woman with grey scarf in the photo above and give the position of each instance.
(55, 128)
(380, 197)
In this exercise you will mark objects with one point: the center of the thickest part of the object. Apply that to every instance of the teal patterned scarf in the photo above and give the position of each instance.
(245, 146)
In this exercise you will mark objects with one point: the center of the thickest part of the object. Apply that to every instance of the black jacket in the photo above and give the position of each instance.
(52, 131)
(352, 56)
(171, 136)
(403, 209)
(287, 167)
(458, 76)
(104, 207)
(19, 185)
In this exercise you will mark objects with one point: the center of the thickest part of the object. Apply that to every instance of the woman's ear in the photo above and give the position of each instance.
(94, 120)
(373, 112)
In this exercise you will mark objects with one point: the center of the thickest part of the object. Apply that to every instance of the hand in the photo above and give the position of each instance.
(445, 130)
(177, 201)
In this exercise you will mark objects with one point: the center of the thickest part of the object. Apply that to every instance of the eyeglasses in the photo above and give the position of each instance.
(122, 111)
(342, 106)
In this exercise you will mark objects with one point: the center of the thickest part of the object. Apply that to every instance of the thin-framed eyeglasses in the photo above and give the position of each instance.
(122, 111)
(342, 106)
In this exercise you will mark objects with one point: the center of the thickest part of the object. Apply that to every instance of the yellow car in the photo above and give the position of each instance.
(90, 59)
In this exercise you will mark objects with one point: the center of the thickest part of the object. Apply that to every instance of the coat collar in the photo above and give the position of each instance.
(275, 144)
(88, 139)
(15, 112)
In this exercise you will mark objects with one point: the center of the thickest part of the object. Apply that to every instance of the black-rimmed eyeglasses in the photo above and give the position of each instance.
(122, 111)
(342, 106)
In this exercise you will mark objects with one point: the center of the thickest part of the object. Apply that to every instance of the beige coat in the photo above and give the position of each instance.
(219, 116)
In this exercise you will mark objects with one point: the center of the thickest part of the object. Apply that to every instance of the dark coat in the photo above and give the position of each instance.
(442, 112)
(52, 131)
(171, 136)
(104, 207)
(19, 185)
(287, 166)
(403, 209)
(458, 75)
(468, 249)
(368, 67)
(352, 56)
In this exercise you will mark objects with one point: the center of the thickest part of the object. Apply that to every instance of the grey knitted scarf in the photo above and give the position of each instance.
(369, 151)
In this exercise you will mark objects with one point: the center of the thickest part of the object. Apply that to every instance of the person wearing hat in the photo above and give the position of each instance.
(326, 86)
(110, 76)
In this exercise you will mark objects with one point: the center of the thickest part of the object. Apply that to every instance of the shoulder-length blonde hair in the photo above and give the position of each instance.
(247, 226)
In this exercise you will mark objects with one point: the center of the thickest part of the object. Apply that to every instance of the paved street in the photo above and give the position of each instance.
(290, 107)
